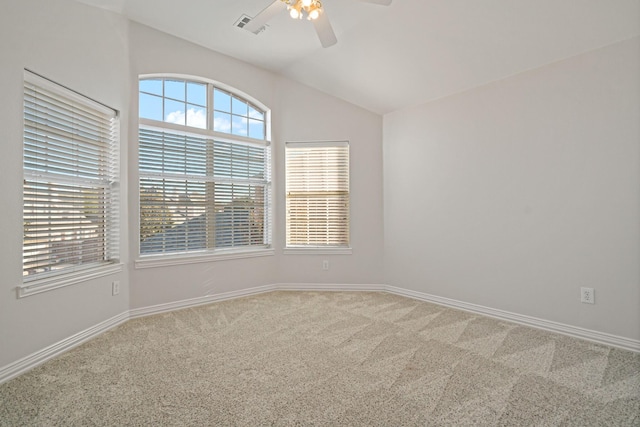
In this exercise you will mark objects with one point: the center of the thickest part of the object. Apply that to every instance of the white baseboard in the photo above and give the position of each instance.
(547, 325)
(328, 287)
(21, 366)
(194, 302)
(208, 299)
(16, 368)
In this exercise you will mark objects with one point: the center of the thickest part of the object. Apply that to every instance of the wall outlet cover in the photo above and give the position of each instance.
(587, 295)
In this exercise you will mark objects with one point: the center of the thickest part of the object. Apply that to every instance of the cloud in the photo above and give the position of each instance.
(255, 114)
(198, 118)
(195, 118)
(222, 124)
(240, 125)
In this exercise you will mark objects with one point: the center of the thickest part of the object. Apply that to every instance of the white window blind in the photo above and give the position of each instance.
(198, 193)
(317, 187)
(70, 202)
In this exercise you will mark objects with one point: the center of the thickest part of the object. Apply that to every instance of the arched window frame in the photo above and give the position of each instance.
(246, 184)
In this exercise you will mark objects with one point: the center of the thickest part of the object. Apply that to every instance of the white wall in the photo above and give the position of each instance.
(89, 55)
(512, 195)
(298, 113)
(100, 54)
(156, 52)
(515, 194)
(334, 120)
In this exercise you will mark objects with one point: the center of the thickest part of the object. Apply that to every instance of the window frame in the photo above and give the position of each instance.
(310, 249)
(150, 260)
(107, 178)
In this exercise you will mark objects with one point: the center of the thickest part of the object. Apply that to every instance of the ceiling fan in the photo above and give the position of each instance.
(312, 9)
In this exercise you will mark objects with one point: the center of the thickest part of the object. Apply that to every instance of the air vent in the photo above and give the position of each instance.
(244, 20)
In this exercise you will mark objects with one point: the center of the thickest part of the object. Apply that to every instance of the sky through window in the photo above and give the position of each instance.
(185, 103)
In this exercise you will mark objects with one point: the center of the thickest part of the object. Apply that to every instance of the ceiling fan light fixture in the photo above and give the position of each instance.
(312, 9)
(313, 12)
(295, 10)
(299, 8)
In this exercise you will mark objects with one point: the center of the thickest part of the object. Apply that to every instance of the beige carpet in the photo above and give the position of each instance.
(327, 358)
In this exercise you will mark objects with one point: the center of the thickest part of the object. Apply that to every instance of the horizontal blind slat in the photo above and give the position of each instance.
(70, 166)
(317, 194)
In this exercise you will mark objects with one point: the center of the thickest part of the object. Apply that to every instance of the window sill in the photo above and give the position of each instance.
(151, 261)
(50, 283)
(316, 251)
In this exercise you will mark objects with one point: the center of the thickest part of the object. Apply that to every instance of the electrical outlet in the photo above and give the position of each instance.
(115, 287)
(587, 296)
(325, 265)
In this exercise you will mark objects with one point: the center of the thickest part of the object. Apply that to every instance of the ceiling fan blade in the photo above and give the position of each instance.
(256, 24)
(380, 2)
(325, 31)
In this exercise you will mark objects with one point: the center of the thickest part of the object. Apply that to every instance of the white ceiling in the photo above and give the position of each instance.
(409, 53)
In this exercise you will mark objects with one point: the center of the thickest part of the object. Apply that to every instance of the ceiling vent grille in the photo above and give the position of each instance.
(242, 21)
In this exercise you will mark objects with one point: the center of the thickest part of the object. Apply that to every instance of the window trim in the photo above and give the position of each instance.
(50, 283)
(201, 133)
(185, 258)
(316, 249)
(152, 260)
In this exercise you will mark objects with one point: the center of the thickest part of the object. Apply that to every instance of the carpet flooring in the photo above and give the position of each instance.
(327, 358)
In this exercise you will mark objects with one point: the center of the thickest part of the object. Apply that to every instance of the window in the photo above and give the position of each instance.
(205, 170)
(70, 182)
(317, 180)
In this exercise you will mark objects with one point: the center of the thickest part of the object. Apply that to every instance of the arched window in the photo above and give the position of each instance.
(204, 167)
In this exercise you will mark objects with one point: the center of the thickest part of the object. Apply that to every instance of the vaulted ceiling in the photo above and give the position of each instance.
(408, 53)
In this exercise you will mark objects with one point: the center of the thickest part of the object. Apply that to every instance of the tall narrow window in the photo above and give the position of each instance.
(205, 170)
(317, 180)
(70, 181)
